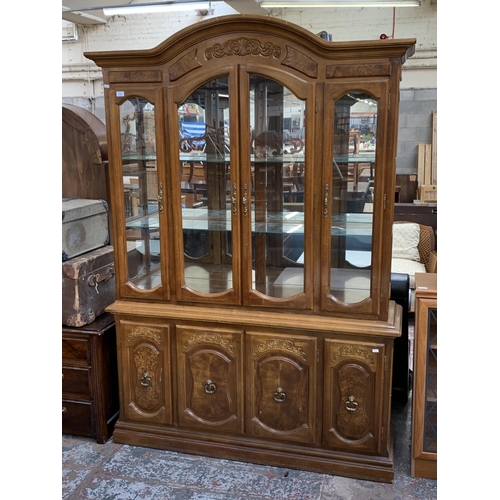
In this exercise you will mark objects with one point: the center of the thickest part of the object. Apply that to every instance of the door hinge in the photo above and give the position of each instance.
(389, 104)
(317, 355)
(385, 363)
(316, 104)
(385, 200)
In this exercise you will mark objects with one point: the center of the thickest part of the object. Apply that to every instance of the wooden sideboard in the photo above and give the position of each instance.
(89, 379)
(424, 415)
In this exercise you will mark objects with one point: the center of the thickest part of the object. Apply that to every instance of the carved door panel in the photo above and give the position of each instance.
(145, 372)
(354, 377)
(281, 381)
(210, 381)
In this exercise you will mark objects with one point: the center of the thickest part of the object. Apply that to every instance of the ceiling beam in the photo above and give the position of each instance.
(247, 7)
(86, 18)
(92, 13)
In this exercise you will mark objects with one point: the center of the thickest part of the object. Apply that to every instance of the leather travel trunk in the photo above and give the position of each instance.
(84, 226)
(88, 286)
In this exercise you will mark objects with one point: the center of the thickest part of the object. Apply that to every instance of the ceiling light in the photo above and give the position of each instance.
(155, 7)
(269, 4)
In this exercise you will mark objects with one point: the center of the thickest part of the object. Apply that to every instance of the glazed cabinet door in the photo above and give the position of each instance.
(353, 392)
(356, 196)
(137, 177)
(281, 387)
(203, 151)
(145, 372)
(210, 379)
(277, 116)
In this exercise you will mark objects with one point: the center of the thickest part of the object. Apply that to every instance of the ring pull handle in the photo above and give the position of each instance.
(325, 202)
(210, 387)
(351, 405)
(279, 395)
(233, 200)
(145, 380)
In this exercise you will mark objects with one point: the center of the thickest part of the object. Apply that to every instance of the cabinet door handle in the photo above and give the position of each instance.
(145, 380)
(279, 395)
(245, 200)
(325, 202)
(351, 405)
(233, 200)
(160, 197)
(64, 409)
(210, 387)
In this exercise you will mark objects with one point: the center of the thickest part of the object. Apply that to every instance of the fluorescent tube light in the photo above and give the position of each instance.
(155, 7)
(269, 4)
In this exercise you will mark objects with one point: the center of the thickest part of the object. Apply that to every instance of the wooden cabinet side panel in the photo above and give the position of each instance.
(145, 374)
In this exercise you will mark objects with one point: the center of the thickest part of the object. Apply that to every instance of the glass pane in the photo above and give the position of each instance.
(206, 188)
(276, 196)
(430, 415)
(141, 190)
(352, 184)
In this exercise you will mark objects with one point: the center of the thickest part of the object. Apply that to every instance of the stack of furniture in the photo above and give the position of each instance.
(245, 333)
(89, 369)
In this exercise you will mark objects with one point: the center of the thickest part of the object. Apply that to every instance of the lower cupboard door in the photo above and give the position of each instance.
(145, 373)
(281, 381)
(353, 394)
(210, 379)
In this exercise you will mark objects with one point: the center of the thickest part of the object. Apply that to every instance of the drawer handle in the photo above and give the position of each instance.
(210, 387)
(279, 395)
(351, 405)
(145, 380)
(64, 409)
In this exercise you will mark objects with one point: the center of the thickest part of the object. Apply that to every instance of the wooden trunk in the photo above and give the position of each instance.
(88, 286)
(84, 226)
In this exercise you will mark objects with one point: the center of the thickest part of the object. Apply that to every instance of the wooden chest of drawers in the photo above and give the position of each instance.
(90, 402)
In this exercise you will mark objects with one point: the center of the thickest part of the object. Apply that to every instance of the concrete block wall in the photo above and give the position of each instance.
(415, 126)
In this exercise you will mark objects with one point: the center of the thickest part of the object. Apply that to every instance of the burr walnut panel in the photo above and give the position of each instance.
(210, 382)
(145, 356)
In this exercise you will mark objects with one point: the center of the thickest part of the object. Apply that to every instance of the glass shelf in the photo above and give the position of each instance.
(202, 219)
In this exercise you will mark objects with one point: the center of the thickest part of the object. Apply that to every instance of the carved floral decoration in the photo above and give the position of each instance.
(243, 47)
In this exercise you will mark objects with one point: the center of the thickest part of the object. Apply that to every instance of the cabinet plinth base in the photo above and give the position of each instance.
(421, 467)
(277, 454)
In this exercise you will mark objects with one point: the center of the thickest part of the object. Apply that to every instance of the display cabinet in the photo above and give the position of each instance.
(425, 400)
(252, 169)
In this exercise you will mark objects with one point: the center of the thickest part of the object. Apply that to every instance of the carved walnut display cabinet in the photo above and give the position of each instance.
(252, 173)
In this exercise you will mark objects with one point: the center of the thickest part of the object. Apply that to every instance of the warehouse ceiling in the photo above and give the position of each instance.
(90, 11)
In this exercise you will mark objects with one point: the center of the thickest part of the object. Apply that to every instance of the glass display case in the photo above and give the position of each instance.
(425, 400)
(252, 169)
